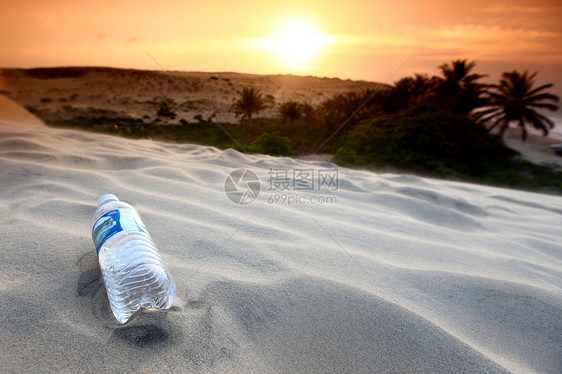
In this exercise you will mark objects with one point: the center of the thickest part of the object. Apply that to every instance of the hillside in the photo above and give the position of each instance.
(61, 92)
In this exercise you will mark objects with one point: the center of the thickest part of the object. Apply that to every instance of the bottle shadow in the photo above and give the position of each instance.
(147, 328)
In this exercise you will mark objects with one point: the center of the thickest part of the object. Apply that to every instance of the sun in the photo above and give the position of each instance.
(295, 43)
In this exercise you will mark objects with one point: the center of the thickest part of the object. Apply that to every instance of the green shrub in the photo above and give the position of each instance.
(425, 139)
(272, 144)
(346, 156)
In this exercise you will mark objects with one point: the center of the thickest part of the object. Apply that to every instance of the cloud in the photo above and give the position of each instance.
(509, 8)
(496, 42)
(483, 33)
(132, 40)
(101, 35)
(474, 41)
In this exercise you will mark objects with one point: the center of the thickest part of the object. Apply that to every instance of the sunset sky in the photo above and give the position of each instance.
(346, 39)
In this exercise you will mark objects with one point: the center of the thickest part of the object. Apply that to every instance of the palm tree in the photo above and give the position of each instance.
(408, 91)
(422, 86)
(290, 110)
(250, 101)
(458, 90)
(340, 108)
(307, 111)
(514, 100)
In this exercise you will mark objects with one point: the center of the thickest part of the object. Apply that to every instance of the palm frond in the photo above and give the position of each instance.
(540, 88)
(538, 124)
(552, 107)
(485, 115)
(495, 124)
(539, 97)
(545, 119)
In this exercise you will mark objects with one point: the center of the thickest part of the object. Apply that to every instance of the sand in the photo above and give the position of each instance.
(61, 92)
(535, 149)
(400, 275)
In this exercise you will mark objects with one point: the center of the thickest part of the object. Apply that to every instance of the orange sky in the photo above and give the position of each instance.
(369, 39)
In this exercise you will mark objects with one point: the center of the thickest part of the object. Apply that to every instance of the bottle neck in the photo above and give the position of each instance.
(104, 199)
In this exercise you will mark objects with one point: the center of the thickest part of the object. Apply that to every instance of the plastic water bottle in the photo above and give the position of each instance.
(133, 271)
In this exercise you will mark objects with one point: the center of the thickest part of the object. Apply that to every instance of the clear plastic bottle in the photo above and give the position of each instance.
(133, 271)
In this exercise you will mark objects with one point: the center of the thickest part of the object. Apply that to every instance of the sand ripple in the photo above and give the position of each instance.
(401, 274)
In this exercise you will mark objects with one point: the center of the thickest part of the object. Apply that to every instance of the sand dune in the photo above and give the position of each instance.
(400, 274)
(61, 92)
(12, 113)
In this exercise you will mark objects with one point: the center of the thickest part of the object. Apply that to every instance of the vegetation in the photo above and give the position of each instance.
(290, 110)
(514, 100)
(343, 108)
(272, 144)
(199, 131)
(165, 109)
(423, 139)
(458, 90)
(436, 126)
(249, 102)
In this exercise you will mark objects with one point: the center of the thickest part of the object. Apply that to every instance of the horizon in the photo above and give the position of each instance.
(184, 71)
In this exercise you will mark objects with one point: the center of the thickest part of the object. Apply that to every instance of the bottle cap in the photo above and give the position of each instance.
(107, 197)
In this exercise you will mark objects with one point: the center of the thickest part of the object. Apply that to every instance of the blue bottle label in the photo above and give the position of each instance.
(115, 221)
